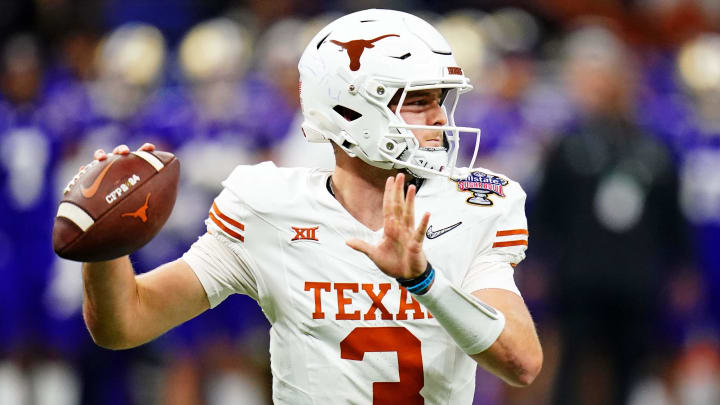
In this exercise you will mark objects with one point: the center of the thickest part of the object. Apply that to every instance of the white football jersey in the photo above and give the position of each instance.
(342, 331)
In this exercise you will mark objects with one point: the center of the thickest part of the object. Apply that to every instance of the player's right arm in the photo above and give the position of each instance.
(122, 310)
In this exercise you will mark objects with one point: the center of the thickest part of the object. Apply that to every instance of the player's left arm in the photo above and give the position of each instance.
(516, 356)
(491, 325)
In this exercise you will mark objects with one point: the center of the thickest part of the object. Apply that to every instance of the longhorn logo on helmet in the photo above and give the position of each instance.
(355, 48)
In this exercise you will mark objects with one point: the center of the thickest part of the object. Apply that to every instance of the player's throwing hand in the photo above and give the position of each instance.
(399, 254)
(100, 154)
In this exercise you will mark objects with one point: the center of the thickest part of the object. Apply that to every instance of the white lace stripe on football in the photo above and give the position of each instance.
(76, 215)
(150, 158)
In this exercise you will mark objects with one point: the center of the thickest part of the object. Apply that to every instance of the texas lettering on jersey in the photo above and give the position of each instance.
(345, 292)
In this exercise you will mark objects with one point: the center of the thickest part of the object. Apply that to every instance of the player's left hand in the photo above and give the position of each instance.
(399, 254)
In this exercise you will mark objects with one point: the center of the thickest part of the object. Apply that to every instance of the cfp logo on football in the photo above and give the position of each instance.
(481, 185)
(122, 188)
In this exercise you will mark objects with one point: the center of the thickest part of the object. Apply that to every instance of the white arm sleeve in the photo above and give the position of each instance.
(221, 268)
(473, 324)
(489, 275)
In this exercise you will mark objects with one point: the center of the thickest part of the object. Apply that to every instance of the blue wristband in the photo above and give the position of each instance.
(419, 284)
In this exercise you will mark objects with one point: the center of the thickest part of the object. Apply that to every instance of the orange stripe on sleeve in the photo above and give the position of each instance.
(510, 243)
(512, 232)
(227, 218)
(226, 229)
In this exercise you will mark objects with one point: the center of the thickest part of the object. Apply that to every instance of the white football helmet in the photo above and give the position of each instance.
(352, 69)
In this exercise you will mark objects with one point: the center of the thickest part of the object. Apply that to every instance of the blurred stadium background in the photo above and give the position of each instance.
(608, 113)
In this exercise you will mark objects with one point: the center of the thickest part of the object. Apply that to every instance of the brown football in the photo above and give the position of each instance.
(114, 207)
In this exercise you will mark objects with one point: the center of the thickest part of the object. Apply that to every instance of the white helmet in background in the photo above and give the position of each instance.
(352, 69)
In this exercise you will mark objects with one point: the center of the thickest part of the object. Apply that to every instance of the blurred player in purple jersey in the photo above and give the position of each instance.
(221, 109)
(682, 111)
(30, 148)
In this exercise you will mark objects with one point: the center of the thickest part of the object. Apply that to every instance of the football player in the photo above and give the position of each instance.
(387, 279)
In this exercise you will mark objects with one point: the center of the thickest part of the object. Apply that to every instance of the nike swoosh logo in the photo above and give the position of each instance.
(90, 191)
(434, 234)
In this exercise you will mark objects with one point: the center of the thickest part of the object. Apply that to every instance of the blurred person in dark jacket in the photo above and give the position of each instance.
(607, 213)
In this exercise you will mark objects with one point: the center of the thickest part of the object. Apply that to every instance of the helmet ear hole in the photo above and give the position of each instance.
(347, 113)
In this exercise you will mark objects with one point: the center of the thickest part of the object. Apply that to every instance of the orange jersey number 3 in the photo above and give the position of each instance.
(410, 364)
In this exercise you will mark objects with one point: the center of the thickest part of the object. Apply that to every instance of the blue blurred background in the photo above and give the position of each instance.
(608, 113)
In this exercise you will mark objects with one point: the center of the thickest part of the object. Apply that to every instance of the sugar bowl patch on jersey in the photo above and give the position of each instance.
(499, 227)
(481, 185)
